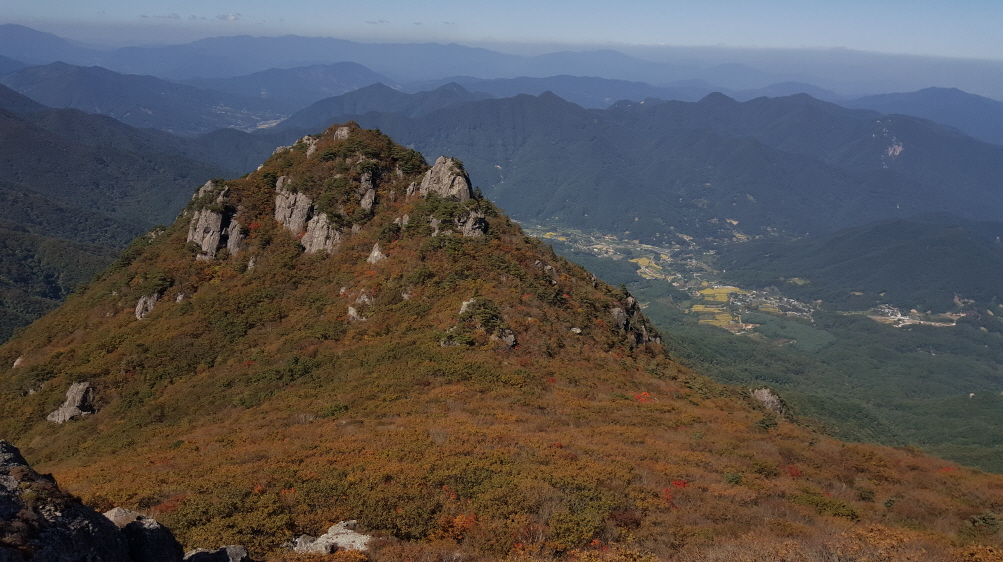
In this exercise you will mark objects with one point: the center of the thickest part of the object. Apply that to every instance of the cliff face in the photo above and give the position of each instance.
(416, 363)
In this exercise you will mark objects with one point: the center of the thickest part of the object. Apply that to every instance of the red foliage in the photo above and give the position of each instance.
(680, 483)
(793, 471)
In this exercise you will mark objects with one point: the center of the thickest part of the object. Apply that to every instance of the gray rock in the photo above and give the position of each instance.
(466, 305)
(505, 336)
(292, 210)
(231, 553)
(368, 199)
(338, 537)
(447, 179)
(17, 362)
(771, 401)
(342, 133)
(434, 223)
(365, 183)
(149, 541)
(52, 526)
(145, 305)
(471, 223)
(320, 235)
(206, 229)
(79, 402)
(411, 189)
(122, 517)
(376, 255)
(212, 228)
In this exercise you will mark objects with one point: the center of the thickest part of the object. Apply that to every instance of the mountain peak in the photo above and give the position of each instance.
(350, 333)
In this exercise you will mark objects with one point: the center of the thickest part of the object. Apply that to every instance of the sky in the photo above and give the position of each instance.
(962, 28)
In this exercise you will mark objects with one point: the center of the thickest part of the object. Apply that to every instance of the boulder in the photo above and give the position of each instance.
(79, 402)
(231, 553)
(41, 523)
(368, 199)
(447, 179)
(149, 541)
(376, 255)
(206, 230)
(341, 133)
(338, 537)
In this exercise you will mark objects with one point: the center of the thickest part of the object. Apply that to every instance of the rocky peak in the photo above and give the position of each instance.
(447, 179)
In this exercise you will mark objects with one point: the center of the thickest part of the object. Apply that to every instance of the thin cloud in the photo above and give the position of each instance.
(163, 17)
(377, 22)
(230, 17)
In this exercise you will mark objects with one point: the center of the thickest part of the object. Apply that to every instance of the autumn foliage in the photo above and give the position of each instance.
(249, 407)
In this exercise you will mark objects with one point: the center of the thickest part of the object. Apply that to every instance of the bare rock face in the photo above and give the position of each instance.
(40, 523)
(145, 305)
(320, 235)
(368, 199)
(79, 402)
(292, 210)
(339, 537)
(376, 255)
(296, 212)
(342, 133)
(206, 229)
(771, 401)
(447, 179)
(627, 317)
(213, 226)
(471, 224)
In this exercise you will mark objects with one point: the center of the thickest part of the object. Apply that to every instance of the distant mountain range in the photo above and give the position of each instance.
(141, 101)
(296, 88)
(976, 116)
(713, 168)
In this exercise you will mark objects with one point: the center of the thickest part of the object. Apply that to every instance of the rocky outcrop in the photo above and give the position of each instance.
(471, 223)
(339, 537)
(368, 199)
(296, 212)
(376, 256)
(627, 317)
(214, 225)
(320, 235)
(771, 401)
(447, 179)
(145, 305)
(342, 133)
(79, 402)
(292, 209)
(40, 523)
(146, 539)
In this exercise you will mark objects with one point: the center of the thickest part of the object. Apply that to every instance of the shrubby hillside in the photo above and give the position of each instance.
(350, 333)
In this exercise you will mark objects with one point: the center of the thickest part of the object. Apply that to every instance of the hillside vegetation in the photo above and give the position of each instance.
(470, 396)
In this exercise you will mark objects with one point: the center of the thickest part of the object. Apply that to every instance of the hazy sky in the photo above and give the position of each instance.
(965, 28)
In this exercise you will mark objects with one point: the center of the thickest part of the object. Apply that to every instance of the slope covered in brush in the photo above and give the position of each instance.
(349, 333)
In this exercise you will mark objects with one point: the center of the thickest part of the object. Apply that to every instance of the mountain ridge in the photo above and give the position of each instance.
(373, 339)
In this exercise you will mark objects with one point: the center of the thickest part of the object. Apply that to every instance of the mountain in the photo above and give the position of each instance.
(140, 101)
(591, 92)
(977, 116)
(918, 263)
(298, 87)
(75, 189)
(715, 168)
(9, 65)
(38, 47)
(348, 333)
(378, 97)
